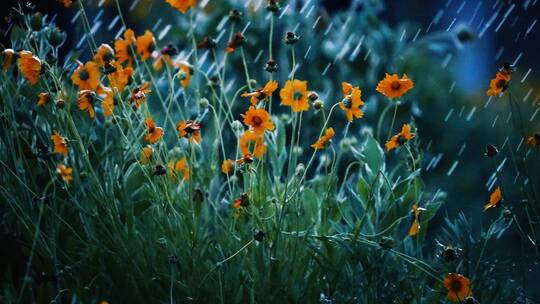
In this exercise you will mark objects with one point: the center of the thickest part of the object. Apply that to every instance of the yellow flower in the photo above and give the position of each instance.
(86, 76)
(227, 166)
(295, 95)
(494, 199)
(8, 56)
(108, 102)
(60, 143)
(352, 101)
(146, 154)
(86, 102)
(262, 93)
(323, 141)
(104, 53)
(30, 66)
(65, 173)
(125, 47)
(179, 166)
(400, 138)
(415, 226)
(259, 147)
(258, 120)
(458, 287)
(153, 133)
(393, 87)
(182, 5)
(121, 77)
(43, 99)
(146, 44)
(190, 129)
(499, 84)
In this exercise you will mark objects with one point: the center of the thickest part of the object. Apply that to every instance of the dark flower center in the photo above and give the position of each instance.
(347, 102)
(396, 85)
(501, 83)
(257, 120)
(297, 95)
(456, 286)
(84, 75)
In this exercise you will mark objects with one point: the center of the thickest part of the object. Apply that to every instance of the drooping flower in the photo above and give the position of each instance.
(322, 142)
(146, 44)
(86, 101)
(86, 76)
(258, 120)
(415, 226)
(227, 166)
(237, 40)
(164, 57)
(153, 133)
(30, 66)
(121, 77)
(494, 199)
(66, 3)
(189, 129)
(60, 143)
(146, 154)
(184, 72)
(499, 84)
(179, 166)
(108, 102)
(65, 173)
(458, 287)
(352, 101)
(400, 138)
(125, 47)
(104, 54)
(393, 87)
(258, 148)
(138, 95)
(295, 95)
(8, 57)
(43, 99)
(262, 93)
(241, 201)
(534, 140)
(182, 5)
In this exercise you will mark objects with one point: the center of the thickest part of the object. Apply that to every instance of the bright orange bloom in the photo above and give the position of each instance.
(8, 56)
(104, 53)
(65, 173)
(295, 95)
(258, 120)
(138, 95)
(499, 84)
(60, 144)
(352, 101)
(227, 166)
(189, 129)
(66, 3)
(259, 147)
(179, 166)
(182, 5)
(108, 102)
(153, 133)
(146, 154)
(125, 47)
(458, 286)
(534, 140)
(393, 87)
(30, 66)
(86, 102)
(87, 76)
(121, 77)
(162, 60)
(323, 140)
(184, 73)
(146, 44)
(262, 93)
(415, 226)
(400, 138)
(43, 99)
(494, 199)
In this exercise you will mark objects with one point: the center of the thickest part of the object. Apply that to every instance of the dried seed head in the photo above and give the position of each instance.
(271, 66)
(259, 236)
(159, 170)
(318, 105)
(235, 15)
(169, 49)
(291, 38)
(449, 253)
(207, 43)
(313, 96)
(491, 151)
(273, 6)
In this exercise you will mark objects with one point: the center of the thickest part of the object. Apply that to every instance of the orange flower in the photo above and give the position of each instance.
(146, 44)
(86, 101)
(86, 76)
(30, 66)
(154, 133)
(499, 84)
(121, 77)
(262, 93)
(138, 95)
(323, 140)
(184, 73)
(237, 40)
(43, 99)
(65, 173)
(259, 147)
(534, 140)
(295, 95)
(494, 199)
(182, 5)
(125, 47)
(104, 54)
(66, 3)
(227, 166)
(352, 101)
(60, 143)
(189, 129)
(400, 138)
(108, 102)
(258, 120)
(415, 226)
(8, 55)
(393, 87)
(179, 166)
(458, 286)
(146, 154)
(162, 60)
(241, 201)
